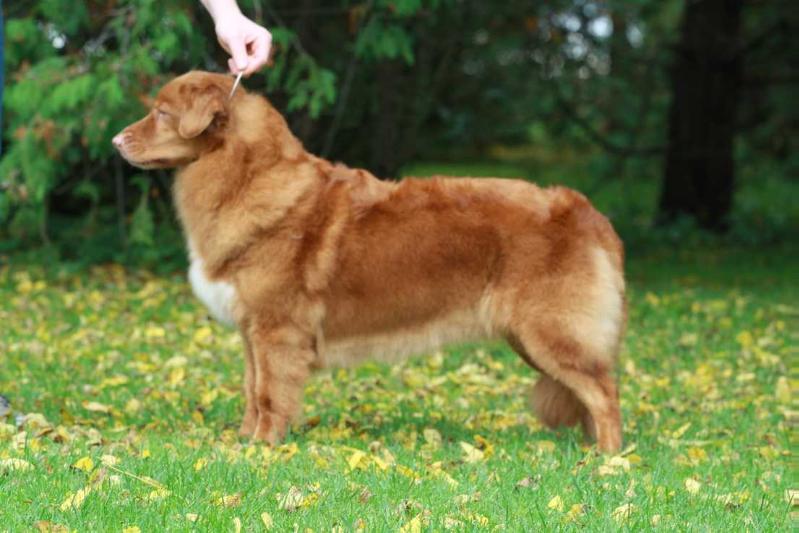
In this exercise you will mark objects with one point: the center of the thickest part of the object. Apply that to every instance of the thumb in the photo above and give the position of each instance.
(239, 54)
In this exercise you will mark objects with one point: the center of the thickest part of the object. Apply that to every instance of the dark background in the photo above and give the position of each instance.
(677, 117)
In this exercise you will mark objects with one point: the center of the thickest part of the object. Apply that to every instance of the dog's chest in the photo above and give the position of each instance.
(218, 296)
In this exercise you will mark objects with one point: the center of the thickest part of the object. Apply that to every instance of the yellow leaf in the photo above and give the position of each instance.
(49, 527)
(556, 503)
(476, 518)
(745, 339)
(96, 407)
(202, 335)
(470, 453)
(176, 376)
(287, 451)
(355, 460)
(783, 390)
(192, 517)
(545, 446)
(209, 396)
(574, 512)
(768, 452)
(229, 500)
(237, 524)
(154, 332)
(13, 464)
(158, 494)
(131, 529)
(623, 512)
(133, 406)
(696, 454)
(74, 501)
(113, 381)
(414, 526)
(84, 463)
(266, 518)
(792, 497)
(292, 500)
(692, 485)
(108, 460)
(681, 431)
(485, 446)
(432, 437)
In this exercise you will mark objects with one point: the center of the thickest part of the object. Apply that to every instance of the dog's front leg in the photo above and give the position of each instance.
(250, 407)
(282, 356)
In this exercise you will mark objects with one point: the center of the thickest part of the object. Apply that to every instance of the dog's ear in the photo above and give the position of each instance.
(206, 104)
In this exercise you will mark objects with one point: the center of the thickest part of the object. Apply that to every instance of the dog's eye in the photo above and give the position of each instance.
(161, 114)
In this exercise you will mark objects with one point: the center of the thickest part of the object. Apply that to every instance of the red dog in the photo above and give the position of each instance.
(319, 264)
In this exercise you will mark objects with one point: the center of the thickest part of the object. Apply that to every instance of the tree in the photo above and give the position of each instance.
(699, 172)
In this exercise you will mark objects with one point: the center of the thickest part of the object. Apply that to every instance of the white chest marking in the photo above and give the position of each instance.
(218, 296)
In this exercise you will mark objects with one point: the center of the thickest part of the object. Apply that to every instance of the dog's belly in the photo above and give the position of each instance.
(219, 297)
(464, 326)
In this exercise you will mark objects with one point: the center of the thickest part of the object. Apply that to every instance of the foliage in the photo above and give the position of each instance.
(375, 83)
(125, 400)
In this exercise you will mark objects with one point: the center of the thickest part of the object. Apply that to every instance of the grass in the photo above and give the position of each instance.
(125, 399)
(137, 395)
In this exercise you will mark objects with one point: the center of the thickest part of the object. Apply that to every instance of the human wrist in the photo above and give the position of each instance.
(222, 11)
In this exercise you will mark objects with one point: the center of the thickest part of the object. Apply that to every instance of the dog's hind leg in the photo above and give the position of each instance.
(575, 387)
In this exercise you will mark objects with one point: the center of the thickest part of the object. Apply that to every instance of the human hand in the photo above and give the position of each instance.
(246, 42)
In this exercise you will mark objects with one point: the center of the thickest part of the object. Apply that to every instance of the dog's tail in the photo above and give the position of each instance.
(555, 404)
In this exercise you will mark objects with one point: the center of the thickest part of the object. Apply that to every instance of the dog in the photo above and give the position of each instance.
(318, 264)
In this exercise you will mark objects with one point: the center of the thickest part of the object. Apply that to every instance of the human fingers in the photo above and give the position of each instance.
(258, 49)
(237, 48)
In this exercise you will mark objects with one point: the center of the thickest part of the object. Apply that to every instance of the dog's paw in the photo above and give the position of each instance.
(269, 428)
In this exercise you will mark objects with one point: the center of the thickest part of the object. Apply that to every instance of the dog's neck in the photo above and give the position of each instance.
(245, 185)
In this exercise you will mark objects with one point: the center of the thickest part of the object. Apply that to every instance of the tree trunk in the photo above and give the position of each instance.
(699, 174)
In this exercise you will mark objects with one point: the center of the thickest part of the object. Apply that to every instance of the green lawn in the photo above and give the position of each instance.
(131, 402)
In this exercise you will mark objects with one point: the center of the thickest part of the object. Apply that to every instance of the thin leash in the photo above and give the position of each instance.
(235, 85)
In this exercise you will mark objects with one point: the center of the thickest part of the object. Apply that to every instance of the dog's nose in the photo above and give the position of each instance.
(119, 140)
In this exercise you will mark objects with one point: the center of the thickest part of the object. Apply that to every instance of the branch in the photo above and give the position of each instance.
(345, 87)
(759, 40)
(604, 143)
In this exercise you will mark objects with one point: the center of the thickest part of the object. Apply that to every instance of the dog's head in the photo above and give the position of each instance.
(187, 117)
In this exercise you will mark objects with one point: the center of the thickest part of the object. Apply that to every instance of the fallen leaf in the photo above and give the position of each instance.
(45, 526)
(413, 526)
(623, 512)
(13, 464)
(356, 459)
(75, 500)
(266, 518)
(108, 460)
(96, 407)
(84, 463)
(556, 503)
(470, 453)
(228, 500)
(291, 501)
(574, 512)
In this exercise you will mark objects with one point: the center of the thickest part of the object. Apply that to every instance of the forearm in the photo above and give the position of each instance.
(220, 8)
